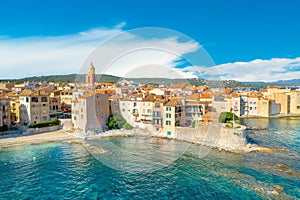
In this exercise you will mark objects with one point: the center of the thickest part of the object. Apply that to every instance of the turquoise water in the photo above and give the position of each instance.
(69, 171)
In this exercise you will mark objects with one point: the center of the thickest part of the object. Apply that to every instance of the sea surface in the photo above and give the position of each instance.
(151, 168)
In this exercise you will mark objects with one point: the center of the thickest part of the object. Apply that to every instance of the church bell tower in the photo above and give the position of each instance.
(91, 75)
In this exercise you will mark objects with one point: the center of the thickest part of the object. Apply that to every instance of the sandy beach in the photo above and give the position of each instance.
(54, 136)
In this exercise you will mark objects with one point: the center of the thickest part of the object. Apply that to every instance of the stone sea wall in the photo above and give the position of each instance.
(214, 135)
(41, 130)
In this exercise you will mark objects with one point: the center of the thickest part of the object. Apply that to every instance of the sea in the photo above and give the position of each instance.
(154, 168)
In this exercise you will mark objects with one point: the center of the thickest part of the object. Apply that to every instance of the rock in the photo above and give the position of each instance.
(266, 150)
(278, 187)
(274, 192)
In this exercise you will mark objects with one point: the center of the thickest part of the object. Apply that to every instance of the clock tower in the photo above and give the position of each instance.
(91, 75)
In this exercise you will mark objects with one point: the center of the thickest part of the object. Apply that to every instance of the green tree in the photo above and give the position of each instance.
(227, 116)
(116, 121)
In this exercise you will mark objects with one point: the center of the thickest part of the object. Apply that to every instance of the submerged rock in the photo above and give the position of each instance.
(278, 187)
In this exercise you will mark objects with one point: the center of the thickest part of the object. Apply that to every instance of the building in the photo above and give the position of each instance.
(130, 108)
(192, 109)
(15, 114)
(267, 107)
(90, 112)
(172, 116)
(5, 119)
(295, 102)
(284, 100)
(55, 110)
(252, 105)
(157, 114)
(34, 106)
(146, 108)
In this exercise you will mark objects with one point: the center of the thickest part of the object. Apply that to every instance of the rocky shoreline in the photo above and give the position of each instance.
(74, 137)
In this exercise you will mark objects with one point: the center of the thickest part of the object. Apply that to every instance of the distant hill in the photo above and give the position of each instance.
(165, 81)
(65, 78)
(292, 82)
(111, 78)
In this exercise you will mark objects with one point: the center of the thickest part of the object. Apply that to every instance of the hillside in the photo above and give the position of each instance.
(165, 81)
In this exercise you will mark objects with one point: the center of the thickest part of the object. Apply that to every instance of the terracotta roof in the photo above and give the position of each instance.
(173, 102)
(194, 96)
(178, 86)
(295, 91)
(253, 96)
(206, 95)
(150, 98)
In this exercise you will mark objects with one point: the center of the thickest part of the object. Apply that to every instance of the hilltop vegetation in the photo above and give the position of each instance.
(155, 81)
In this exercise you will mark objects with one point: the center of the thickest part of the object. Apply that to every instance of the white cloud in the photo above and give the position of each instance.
(256, 70)
(34, 56)
(129, 54)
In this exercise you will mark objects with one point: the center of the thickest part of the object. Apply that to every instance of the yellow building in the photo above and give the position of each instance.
(284, 100)
(267, 107)
(34, 106)
(295, 101)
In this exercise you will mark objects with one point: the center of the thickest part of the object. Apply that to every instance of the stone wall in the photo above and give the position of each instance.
(214, 135)
(41, 130)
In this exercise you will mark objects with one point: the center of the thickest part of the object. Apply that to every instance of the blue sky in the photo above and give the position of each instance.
(232, 32)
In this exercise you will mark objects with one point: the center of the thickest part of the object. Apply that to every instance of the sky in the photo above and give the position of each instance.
(247, 40)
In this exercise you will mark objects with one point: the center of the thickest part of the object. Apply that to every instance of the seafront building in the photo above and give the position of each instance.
(34, 106)
(159, 108)
(90, 112)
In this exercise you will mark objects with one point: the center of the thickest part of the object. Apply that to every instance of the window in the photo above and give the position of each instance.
(44, 99)
(27, 99)
(81, 116)
(169, 133)
(102, 115)
(157, 105)
(74, 118)
(34, 99)
(149, 111)
(168, 115)
(134, 104)
(81, 110)
(168, 109)
(44, 104)
(45, 118)
(158, 114)
(298, 107)
(168, 123)
(188, 122)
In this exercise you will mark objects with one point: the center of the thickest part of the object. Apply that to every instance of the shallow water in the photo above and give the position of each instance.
(148, 168)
